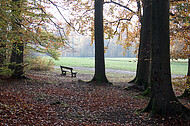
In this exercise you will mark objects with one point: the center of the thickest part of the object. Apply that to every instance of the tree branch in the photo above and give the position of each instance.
(58, 27)
(122, 6)
(177, 0)
(119, 20)
(63, 16)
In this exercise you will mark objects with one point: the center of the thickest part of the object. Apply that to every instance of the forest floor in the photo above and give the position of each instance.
(48, 98)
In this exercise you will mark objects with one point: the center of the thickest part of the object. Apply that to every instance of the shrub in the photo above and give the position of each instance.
(40, 64)
(5, 71)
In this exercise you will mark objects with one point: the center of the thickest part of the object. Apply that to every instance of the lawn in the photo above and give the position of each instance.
(177, 67)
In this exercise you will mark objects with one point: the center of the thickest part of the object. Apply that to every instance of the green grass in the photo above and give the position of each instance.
(177, 67)
(75, 61)
(129, 64)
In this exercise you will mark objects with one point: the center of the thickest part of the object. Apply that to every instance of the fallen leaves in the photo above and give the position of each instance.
(49, 99)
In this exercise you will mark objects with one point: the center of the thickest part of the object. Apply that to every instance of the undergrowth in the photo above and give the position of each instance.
(40, 64)
(180, 84)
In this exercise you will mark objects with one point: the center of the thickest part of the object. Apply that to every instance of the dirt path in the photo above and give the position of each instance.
(113, 71)
(107, 70)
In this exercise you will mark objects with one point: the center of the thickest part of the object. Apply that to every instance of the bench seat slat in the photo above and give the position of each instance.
(66, 70)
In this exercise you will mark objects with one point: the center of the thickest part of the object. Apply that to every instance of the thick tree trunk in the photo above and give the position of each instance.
(100, 76)
(163, 101)
(18, 46)
(143, 65)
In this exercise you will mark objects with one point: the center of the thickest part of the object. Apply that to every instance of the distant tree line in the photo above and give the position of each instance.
(82, 48)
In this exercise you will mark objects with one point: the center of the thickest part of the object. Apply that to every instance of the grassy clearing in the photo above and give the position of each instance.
(75, 61)
(177, 67)
(112, 77)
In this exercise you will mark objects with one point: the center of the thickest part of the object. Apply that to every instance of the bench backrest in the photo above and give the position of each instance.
(66, 68)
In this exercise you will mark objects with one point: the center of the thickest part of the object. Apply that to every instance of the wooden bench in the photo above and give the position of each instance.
(64, 70)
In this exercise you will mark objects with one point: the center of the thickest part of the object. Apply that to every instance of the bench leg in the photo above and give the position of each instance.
(64, 73)
(74, 74)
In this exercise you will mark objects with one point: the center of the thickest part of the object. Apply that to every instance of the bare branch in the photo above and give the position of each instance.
(63, 16)
(119, 20)
(178, 0)
(58, 28)
(122, 6)
(124, 19)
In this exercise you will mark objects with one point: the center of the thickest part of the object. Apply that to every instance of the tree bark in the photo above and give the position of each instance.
(16, 59)
(143, 65)
(2, 53)
(163, 100)
(2, 43)
(99, 76)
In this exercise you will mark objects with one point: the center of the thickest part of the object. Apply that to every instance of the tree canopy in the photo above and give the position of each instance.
(27, 23)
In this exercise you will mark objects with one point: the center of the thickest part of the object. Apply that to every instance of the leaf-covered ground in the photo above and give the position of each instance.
(48, 98)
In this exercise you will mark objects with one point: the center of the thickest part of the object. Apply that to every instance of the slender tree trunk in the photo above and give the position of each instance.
(188, 72)
(2, 44)
(163, 100)
(143, 65)
(188, 78)
(187, 91)
(140, 19)
(2, 53)
(100, 76)
(1, 60)
(18, 46)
